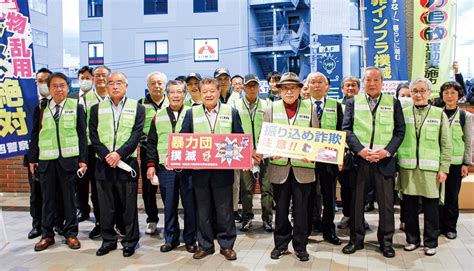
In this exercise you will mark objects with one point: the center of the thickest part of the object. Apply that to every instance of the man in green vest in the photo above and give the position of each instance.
(292, 179)
(251, 109)
(375, 128)
(58, 150)
(192, 88)
(116, 126)
(172, 182)
(213, 188)
(273, 78)
(329, 113)
(153, 101)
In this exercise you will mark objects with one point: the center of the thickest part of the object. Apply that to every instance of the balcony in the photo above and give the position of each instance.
(269, 3)
(285, 40)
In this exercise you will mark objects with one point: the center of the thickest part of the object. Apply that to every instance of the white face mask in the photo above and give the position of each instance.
(406, 101)
(43, 90)
(85, 85)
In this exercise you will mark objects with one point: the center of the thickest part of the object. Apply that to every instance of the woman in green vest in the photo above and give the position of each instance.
(460, 123)
(424, 158)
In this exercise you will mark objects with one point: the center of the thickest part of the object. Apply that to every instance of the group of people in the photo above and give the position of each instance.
(418, 152)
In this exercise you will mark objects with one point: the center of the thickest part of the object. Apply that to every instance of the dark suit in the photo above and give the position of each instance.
(58, 177)
(213, 192)
(115, 185)
(380, 174)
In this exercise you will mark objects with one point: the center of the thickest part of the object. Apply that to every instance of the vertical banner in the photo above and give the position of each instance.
(330, 62)
(18, 94)
(386, 40)
(433, 33)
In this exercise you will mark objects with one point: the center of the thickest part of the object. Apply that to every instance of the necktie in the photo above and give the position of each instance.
(373, 103)
(56, 114)
(319, 109)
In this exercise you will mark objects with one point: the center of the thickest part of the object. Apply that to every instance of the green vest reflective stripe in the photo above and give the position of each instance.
(89, 101)
(424, 152)
(373, 133)
(150, 112)
(51, 145)
(106, 124)
(251, 127)
(163, 128)
(223, 121)
(302, 119)
(457, 139)
(329, 117)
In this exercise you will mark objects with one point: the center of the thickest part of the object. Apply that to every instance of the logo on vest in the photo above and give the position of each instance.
(303, 116)
(128, 111)
(225, 118)
(433, 121)
(69, 112)
(329, 110)
(385, 108)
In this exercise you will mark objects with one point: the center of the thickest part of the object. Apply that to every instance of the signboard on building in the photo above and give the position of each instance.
(206, 50)
(18, 93)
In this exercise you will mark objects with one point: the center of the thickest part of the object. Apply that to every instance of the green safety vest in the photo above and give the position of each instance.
(234, 96)
(164, 127)
(223, 124)
(329, 117)
(457, 139)
(302, 119)
(90, 100)
(251, 125)
(61, 139)
(422, 150)
(373, 133)
(106, 124)
(150, 112)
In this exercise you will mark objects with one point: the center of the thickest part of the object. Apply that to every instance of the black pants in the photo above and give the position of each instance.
(148, 191)
(214, 210)
(326, 176)
(36, 201)
(118, 197)
(317, 206)
(368, 177)
(346, 180)
(302, 197)
(57, 184)
(431, 220)
(83, 188)
(449, 212)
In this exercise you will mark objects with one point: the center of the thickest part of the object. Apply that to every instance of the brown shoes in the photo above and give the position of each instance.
(44, 243)
(73, 242)
(229, 254)
(200, 253)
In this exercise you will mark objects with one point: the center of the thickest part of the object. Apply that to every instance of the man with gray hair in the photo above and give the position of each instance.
(153, 101)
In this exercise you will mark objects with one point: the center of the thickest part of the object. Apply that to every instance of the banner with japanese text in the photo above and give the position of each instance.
(433, 34)
(330, 62)
(385, 33)
(315, 144)
(209, 151)
(18, 94)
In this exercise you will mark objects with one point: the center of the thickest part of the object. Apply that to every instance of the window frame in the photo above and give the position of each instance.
(204, 10)
(97, 60)
(156, 13)
(156, 55)
(356, 4)
(89, 13)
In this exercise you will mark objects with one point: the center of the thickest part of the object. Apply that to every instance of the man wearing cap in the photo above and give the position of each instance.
(292, 179)
(153, 101)
(251, 109)
(330, 117)
(213, 188)
(192, 87)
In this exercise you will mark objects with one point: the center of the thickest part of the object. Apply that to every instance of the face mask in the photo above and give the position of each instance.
(43, 90)
(85, 85)
(406, 101)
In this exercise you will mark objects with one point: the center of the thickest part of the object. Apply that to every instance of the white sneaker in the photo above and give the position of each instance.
(430, 251)
(344, 223)
(150, 228)
(411, 247)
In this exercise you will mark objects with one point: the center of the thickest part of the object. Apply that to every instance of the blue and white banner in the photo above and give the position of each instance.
(330, 63)
(385, 33)
(18, 94)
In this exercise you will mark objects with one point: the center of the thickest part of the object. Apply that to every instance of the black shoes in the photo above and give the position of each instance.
(303, 256)
(82, 216)
(388, 252)
(333, 239)
(369, 207)
(128, 251)
(95, 232)
(351, 248)
(168, 247)
(191, 248)
(277, 253)
(246, 225)
(103, 250)
(451, 235)
(268, 226)
(237, 217)
(34, 233)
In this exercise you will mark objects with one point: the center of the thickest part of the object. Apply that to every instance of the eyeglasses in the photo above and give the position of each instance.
(421, 91)
(175, 92)
(60, 86)
(118, 83)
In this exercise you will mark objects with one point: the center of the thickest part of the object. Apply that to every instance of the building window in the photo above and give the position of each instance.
(95, 8)
(155, 7)
(205, 6)
(96, 53)
(354, 14)
(40, 6)
(356, 60)
(294, 62)
(40, 38)
(156, 51)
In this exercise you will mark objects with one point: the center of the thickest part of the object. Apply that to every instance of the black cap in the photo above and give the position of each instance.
(220, 71)
(194, 75)
(250, 78)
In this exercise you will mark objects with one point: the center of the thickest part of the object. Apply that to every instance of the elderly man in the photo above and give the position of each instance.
(330, 115)
(172, 183)
(153, 101)
(58, 149)
(116, 126)
(213, 188)
(192, 87)
(375, 128)
(292, 179)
